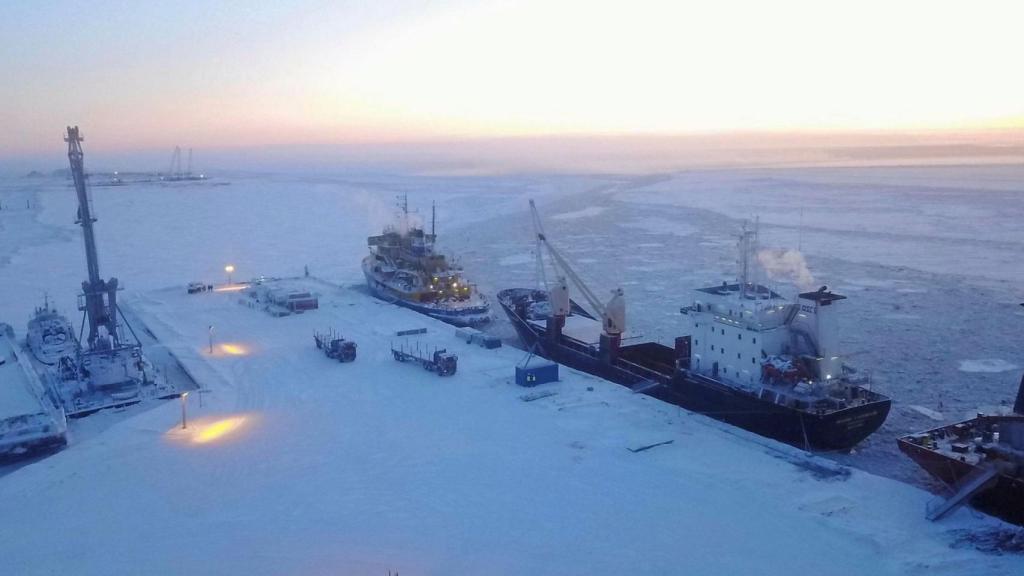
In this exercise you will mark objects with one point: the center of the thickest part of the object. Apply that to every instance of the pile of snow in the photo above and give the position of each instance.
(581, 213)
(986, 365)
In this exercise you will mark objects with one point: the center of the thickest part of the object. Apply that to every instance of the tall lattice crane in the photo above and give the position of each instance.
(99, 297)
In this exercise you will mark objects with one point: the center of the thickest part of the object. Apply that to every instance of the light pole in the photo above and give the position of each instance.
(211, 338)
(184, 417)
(229, 269)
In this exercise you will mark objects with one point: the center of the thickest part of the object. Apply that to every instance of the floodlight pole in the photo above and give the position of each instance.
(184, 416)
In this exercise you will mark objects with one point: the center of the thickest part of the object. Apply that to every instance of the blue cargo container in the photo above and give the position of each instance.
(536, 371)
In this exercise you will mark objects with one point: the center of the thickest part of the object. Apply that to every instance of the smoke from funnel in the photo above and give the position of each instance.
(382, 212)
(786, 266)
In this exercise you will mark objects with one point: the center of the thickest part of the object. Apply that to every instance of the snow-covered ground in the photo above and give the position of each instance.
(364, 467)
(297, 464)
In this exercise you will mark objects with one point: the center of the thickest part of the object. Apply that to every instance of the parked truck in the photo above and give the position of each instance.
(334, 346)
(442, 362)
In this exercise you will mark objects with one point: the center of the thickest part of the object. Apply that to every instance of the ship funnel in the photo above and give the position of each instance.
(1018, 406)
(559, 297)
(615, 314)
(818, 312)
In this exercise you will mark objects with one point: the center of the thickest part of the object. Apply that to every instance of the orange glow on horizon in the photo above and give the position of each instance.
(461, 70)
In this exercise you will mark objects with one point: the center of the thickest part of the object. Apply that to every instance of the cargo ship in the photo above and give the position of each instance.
(752, 359)
(980, 461)
(403, 268)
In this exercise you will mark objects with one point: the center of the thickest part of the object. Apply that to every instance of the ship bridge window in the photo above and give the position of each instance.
(753, 360)
(712, 347)
(723, 331)
(739, 336)
(755, 340)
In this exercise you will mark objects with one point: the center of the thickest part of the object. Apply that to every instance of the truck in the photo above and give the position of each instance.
(199, 287)
(334, 346)
(441, 362)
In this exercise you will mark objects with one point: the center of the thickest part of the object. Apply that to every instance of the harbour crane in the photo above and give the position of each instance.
(99, 297)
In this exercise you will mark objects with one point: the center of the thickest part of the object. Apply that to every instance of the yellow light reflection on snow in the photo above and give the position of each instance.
(231, 288)
(206, 433)
(234, 349)
(212, 429)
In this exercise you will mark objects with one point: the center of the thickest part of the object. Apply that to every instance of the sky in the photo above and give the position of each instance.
(235, 75)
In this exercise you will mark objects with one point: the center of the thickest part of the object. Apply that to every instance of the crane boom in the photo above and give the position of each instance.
(538, 232)
(563, 264)
(85, 217)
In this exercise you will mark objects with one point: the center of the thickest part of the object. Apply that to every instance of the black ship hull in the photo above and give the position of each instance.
(651, 368)
(1004, 499)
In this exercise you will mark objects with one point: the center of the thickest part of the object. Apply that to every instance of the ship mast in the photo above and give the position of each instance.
(405, 213)
(100, 298)
(748, 244)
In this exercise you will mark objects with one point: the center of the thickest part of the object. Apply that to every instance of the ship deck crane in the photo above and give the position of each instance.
(613, 314)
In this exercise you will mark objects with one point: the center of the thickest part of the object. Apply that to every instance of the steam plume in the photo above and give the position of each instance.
(786, 266)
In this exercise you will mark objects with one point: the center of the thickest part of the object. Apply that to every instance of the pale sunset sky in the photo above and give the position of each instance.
(222, 75)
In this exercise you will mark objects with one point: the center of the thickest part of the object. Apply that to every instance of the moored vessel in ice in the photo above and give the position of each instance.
(980, 461)
(405, 269)
(752, 358)
(50, 335)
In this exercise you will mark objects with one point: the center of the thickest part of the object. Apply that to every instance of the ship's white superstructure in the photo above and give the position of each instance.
(747, 335)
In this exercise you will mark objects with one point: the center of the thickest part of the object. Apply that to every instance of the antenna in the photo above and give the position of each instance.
(744, 258)
(405, 213)
(189, 171)
(754, 247)
(433, 218)
(800, 232)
